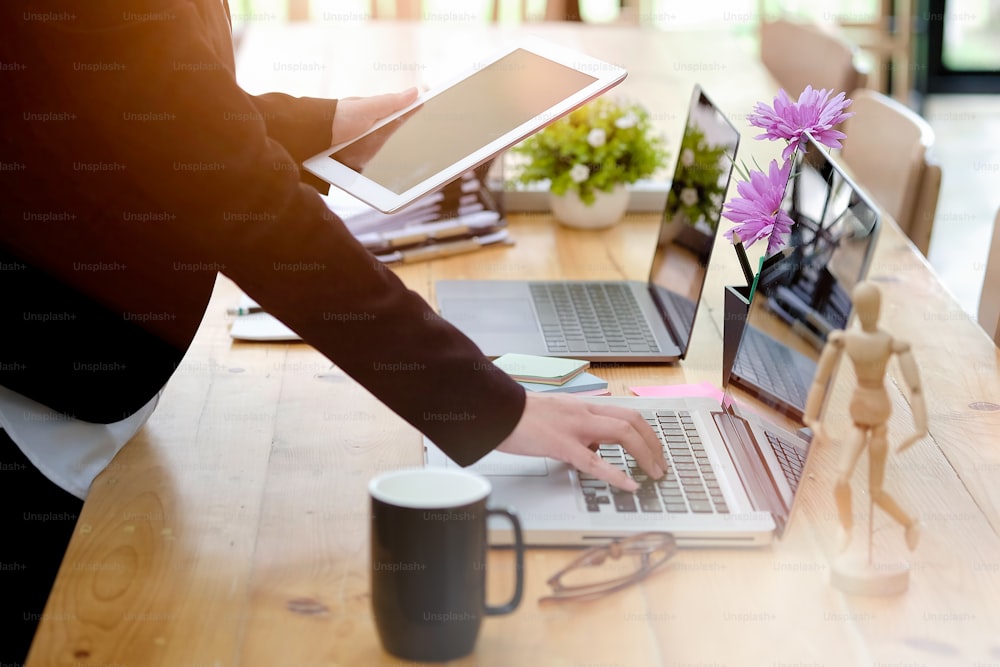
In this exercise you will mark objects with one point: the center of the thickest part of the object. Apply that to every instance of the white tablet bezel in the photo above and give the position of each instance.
(347, 179)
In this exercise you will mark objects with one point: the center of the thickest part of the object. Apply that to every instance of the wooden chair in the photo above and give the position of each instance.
(403, 10)
(886, 38)
(989, 301)
(889, 40)
(569, 10)
(410, 10)
(298, 10)
(887, 149)
(555, 10)
(799, 54)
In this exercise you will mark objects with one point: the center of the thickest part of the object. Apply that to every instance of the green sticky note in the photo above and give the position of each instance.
(533, 368)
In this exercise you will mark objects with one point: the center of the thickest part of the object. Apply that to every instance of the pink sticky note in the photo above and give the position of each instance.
(706, 389)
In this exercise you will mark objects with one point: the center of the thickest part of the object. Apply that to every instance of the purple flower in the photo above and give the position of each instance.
(757, 211)
(814, 112)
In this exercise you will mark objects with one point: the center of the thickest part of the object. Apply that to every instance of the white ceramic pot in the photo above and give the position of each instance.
(607, 209)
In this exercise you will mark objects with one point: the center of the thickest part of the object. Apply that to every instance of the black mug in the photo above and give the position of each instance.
(428, 561)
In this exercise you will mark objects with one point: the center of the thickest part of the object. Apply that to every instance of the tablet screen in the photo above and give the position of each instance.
(461, 119)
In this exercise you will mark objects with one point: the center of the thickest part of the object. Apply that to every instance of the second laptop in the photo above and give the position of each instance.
(616, 320)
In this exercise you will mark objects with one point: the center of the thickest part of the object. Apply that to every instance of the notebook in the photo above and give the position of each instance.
(546, 370)
(616, 320)
(735, 464)
(804, 288)
(584, 382)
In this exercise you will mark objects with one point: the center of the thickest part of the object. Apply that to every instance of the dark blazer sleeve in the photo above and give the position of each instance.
(194, 147)
(302, 125)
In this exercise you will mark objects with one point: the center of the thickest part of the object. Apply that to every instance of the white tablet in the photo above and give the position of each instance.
(464, 123)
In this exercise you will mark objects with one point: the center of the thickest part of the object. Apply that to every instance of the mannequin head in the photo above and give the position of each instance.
(867, 303)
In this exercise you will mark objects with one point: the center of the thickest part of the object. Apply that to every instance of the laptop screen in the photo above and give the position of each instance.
(803, 293)
(829, 249)
(691, 216)
(805, 290)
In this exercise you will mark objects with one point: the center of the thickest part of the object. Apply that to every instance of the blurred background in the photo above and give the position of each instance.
(940, 58)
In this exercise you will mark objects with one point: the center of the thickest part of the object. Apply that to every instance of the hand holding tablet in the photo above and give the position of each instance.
(464, 123)
(357, 115)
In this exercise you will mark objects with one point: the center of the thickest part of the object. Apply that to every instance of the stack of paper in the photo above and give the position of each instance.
(459, 218)
(538, 373)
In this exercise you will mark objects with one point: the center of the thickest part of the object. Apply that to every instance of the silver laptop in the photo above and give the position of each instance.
(616, 320)
(802, 286)
(734, 464)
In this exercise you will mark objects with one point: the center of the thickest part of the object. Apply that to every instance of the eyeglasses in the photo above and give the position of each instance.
(592, 575)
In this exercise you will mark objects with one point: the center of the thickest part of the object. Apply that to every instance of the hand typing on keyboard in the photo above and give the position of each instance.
(570, 430)
(689, 486)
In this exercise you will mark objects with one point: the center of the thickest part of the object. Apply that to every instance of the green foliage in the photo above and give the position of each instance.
(698, 188)
(596, 147)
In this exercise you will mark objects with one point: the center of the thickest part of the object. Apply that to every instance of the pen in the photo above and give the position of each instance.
(248, 310)
(741, 253)
(438, 250)
(464, 224)
(442, 249)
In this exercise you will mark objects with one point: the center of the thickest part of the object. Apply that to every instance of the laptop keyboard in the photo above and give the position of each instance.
(591, 317)
(689, 485)
(770, 366)
(790, 457)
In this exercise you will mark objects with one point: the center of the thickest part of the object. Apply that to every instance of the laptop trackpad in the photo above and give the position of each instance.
(494, 316)
(501, 464)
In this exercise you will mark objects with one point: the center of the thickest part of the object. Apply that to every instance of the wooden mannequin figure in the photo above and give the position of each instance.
(869, 350)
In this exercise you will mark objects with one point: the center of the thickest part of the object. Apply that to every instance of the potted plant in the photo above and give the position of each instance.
(589, 157)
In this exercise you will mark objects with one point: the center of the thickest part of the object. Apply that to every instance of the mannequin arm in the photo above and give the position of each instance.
(918, 405)
(817, 393)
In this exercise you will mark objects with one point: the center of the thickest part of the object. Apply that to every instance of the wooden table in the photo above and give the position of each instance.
(233, 529)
